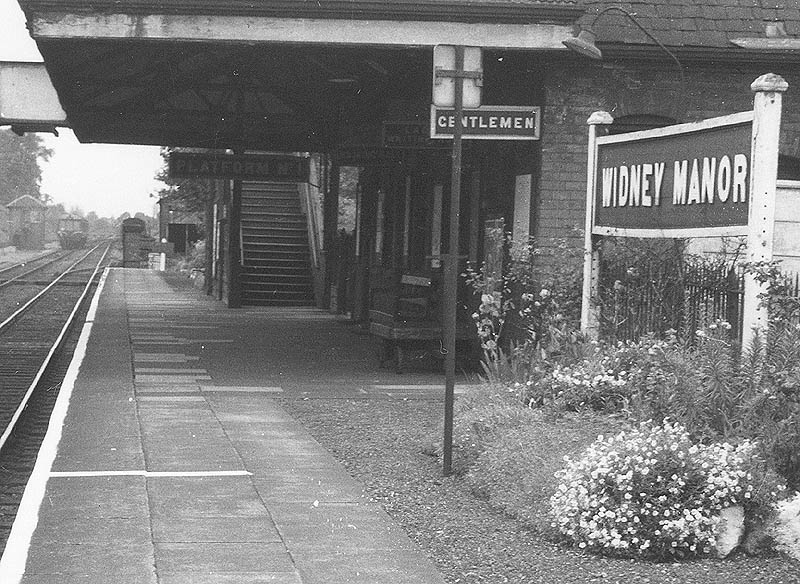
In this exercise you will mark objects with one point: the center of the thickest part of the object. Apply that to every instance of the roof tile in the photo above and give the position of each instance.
(684, 23)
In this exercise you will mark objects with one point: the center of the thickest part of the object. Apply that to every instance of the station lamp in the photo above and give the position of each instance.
(584, 43)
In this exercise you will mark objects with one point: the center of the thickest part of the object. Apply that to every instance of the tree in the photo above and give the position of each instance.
(190, 194)
(19, 165)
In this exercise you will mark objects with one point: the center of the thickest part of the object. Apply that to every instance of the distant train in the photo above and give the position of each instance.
(72, 231)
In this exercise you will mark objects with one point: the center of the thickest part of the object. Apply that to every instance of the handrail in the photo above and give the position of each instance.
(241, 244)
(312, 223)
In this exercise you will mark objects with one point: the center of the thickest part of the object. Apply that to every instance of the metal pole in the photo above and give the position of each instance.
(451, 272)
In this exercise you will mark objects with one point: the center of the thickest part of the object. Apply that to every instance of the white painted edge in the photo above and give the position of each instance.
(696, 232)
(677, 129)
(333, 31)
(149, 473)
(15, 555)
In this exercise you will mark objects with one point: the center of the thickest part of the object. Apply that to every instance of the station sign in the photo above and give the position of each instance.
(488, 122)
(687, 180)
(238, 166)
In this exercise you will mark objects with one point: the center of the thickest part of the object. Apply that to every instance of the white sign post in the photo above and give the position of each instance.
(591, 254)
(767, 103)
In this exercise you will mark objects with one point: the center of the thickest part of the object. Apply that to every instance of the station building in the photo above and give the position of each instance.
(349, 84)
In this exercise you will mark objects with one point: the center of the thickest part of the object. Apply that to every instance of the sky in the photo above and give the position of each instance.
(105, 178)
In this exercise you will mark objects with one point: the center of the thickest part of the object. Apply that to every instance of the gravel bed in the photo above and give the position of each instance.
(380, 442)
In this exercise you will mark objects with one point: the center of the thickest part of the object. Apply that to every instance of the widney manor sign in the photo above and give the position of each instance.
(688, 180)
(705, 179)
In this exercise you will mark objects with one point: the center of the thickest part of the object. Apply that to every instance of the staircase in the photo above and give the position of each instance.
(275, 267)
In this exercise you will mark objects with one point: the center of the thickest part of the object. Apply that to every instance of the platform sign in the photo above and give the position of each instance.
(488, 122)
(687, 180)
(266, 167)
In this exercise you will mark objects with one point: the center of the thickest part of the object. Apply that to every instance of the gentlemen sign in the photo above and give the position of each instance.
(238, 166)
(681, 181)
(488, 122)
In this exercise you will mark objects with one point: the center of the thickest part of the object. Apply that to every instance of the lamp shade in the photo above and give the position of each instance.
(583, 44)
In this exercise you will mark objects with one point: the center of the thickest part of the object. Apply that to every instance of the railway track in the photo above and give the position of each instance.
(16, 271)
(36, 342)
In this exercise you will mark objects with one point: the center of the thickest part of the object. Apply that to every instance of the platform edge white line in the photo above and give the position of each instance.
(149, 473)
(15, 555)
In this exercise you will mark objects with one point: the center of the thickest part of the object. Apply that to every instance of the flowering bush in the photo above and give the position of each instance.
(529, 309)
(595, 383)
(652, 492)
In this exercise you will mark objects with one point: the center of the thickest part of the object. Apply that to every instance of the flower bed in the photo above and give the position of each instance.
(652, 492)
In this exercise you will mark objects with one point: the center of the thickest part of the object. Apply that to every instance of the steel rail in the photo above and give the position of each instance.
(58, 342)
(22, 309)
(30, 261)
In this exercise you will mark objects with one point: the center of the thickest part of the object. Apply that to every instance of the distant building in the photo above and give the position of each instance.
(179, 226)
(26, 222)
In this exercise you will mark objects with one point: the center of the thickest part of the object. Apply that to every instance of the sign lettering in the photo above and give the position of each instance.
(488, 123)
(238, 166)
(668, 180)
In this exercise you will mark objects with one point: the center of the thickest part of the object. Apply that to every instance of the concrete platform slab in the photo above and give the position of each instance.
(164, 478)
(307, 485)
(231, 496)
(191, 558)
(339, 528)
(89, 579)
(214, 529)
(233, 578)
(108, 558)
(56, 529)
(94, 497)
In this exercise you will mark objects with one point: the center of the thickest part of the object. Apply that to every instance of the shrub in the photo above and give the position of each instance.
(654, 493)
(651, 379)
(708, 388)
(529, 311)
(595, 383)
(195, 258)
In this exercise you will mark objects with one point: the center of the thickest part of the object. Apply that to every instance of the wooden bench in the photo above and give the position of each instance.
(415, 321)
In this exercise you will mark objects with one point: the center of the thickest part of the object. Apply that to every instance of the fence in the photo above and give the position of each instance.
(658, 296)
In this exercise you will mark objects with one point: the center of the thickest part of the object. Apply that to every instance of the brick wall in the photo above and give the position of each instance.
(574, 93)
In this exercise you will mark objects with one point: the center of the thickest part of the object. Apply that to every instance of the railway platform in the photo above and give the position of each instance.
(169, 461)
